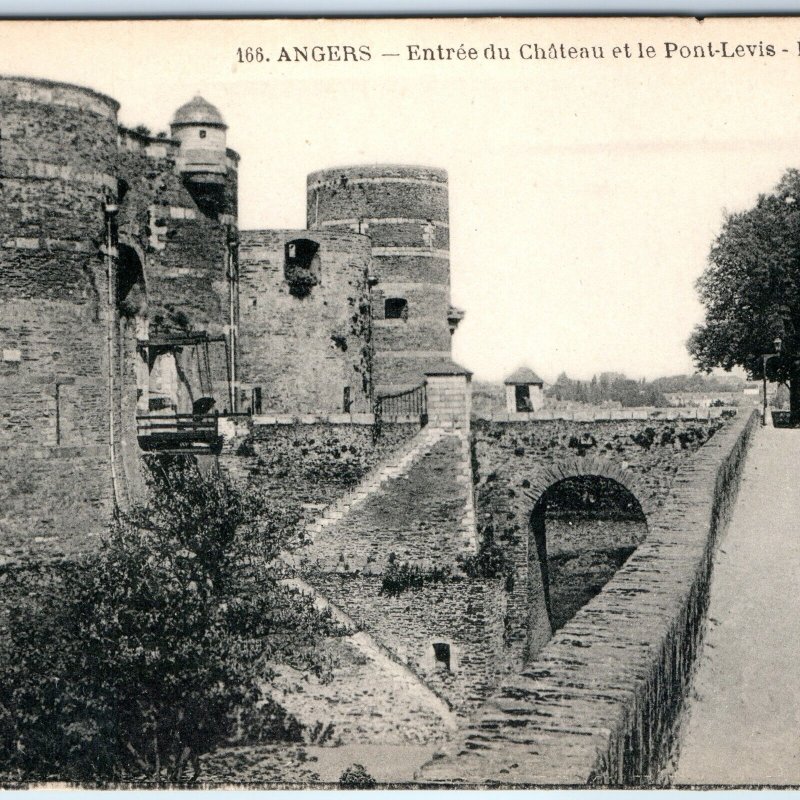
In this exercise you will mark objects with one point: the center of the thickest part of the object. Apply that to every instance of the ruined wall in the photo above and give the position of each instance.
(467, 614)
(514, 463)
(599, 702)
(303, 347)
(404, 211)
(57, 157)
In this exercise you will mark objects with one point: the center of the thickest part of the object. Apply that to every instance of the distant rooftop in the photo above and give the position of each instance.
(446, 367)
(524, 375)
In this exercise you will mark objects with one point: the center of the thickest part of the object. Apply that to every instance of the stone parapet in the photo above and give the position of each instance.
(611, 414)
(598, 704)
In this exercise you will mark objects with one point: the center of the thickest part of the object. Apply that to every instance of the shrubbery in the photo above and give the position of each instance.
(490, 561)
(357, 777)
(399, 578)
(131, 663)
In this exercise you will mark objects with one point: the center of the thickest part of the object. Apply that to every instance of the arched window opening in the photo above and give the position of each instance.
(302, 266)
(396, 308)
(582, 530)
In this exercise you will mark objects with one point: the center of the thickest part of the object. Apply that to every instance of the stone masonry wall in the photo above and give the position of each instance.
(514, 463)
(182, 245)
(303, 351)
(311, 465)
(467, 614)
(599, 702)
(417, 518)
(57, 151)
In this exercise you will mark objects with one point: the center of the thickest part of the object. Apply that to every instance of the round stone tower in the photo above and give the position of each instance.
(58, 182)
(404, 211)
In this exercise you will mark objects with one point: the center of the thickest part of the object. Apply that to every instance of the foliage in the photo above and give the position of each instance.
(608, 387)
(357, 777)
(399, 578)
(699, 382)
(490, 561)
(131, 663)
(751, 287)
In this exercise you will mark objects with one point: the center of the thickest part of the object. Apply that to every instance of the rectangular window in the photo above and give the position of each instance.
(396, 308)
(346, 401)
(441, 655)
(256, 404)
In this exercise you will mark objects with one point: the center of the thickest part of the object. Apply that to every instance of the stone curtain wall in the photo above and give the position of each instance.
(599, 702)
(304, 350)
(514, 463)
(311, 465)
(467, 614)
(421, 516)
(416, 518)
(404, 211)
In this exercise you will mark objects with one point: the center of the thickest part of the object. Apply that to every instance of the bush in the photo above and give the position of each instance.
(357, 777)
(399, 578)
(131, 663)
(490, 561)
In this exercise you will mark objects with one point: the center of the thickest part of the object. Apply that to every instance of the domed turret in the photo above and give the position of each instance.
(200, 129)
(198, 111)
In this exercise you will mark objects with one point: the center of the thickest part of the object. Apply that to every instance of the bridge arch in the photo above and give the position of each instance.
(587, 517)
(552, 474)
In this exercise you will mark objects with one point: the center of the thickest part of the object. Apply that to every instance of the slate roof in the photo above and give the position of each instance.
(446, 367)
(524, 375)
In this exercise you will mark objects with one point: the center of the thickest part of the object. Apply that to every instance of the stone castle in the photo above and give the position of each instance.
(136, 318)
(132, 301)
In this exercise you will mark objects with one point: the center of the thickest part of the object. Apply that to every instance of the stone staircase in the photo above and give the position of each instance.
(390, 469)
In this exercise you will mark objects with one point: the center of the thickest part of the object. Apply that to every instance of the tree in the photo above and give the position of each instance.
(751, 291)
(130, 663)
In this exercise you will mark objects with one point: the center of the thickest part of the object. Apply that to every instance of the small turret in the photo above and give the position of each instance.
(200, 129)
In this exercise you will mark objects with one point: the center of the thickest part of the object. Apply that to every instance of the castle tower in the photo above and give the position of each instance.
(404, 211)
(200, 129)
(58, 182)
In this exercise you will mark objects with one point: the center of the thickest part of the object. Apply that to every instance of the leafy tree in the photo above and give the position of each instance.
(751, 291)
(130, 663)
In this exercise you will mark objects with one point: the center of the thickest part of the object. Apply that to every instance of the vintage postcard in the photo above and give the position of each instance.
(400, 402)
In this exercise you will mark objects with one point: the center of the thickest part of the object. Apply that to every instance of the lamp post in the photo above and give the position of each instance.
(765, 358)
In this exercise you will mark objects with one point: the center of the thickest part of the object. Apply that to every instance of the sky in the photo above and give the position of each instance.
(584, 194)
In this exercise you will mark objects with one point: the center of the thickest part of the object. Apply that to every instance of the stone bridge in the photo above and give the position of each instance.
(499, 530)
(568, 501)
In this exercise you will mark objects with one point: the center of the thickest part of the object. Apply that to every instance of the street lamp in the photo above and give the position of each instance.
(765, 358)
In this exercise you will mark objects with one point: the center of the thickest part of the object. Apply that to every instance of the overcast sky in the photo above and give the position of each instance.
(584, 195)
